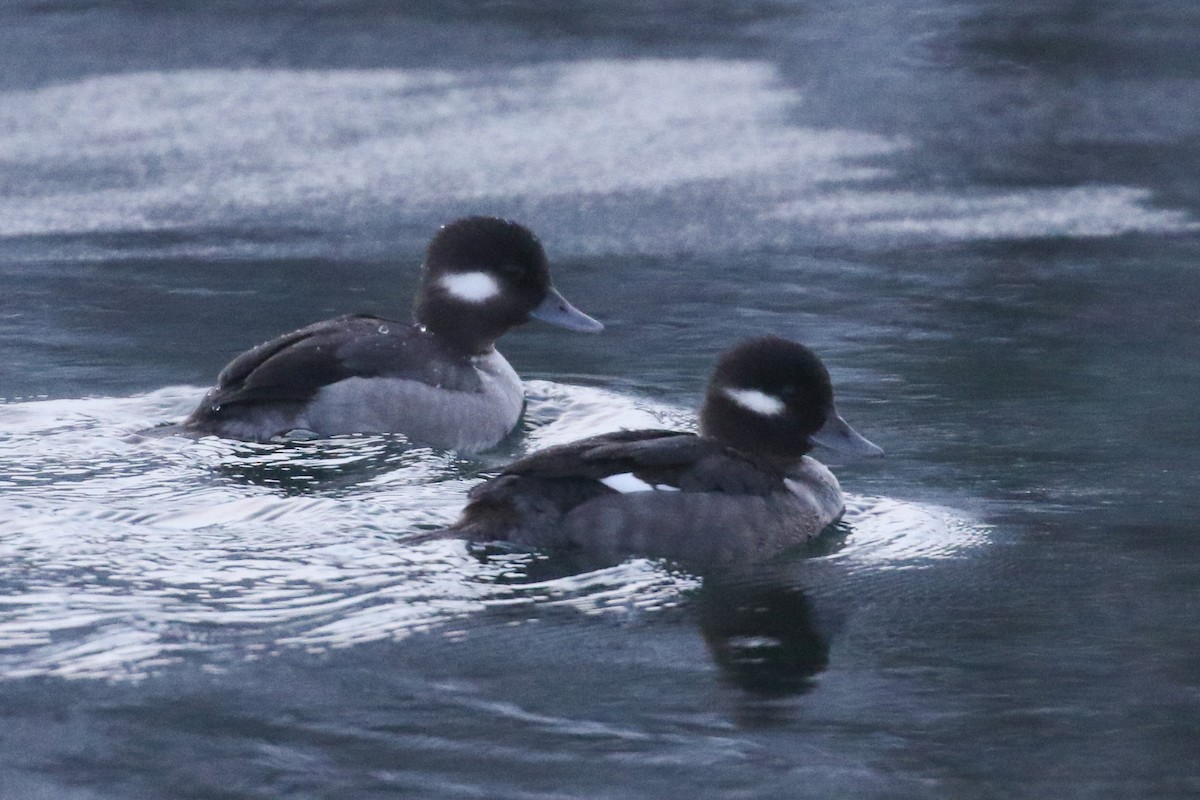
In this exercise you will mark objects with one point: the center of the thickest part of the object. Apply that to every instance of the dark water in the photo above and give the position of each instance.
(984, 215)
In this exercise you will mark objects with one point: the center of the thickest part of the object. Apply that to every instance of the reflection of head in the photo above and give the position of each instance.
(762, 637)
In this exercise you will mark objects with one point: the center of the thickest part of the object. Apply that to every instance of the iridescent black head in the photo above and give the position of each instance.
(773, 397)
(483, 276)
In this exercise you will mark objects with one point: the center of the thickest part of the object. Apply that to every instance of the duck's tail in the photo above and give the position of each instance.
(438, 535)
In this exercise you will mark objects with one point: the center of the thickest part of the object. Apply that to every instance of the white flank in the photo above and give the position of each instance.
(626, 482)
(474, 287)
(756, 401)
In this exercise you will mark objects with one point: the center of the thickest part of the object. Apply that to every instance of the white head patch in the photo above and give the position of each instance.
(473, 287)
(756, 401)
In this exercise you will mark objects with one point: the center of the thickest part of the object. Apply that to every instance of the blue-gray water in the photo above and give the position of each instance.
(984, 215)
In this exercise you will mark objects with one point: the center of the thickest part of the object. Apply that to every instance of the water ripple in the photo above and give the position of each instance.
(123, 553)
(893, 534)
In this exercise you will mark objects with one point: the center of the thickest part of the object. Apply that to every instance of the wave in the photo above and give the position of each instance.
(124, 554)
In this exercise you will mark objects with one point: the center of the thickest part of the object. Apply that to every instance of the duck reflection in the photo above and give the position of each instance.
(760, 627)
(321, 466)
(764, 636)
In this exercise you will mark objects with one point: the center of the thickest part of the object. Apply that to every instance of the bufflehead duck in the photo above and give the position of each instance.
(742, 490)
(440, 381)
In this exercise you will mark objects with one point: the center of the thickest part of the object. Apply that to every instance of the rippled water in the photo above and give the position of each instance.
(135, 552)
(983, 215)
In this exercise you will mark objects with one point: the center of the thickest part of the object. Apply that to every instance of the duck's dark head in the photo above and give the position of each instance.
(773, 397)
(483, 276)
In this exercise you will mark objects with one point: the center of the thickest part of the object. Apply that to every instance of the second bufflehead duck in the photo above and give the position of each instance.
(439, 381)
(743, 490)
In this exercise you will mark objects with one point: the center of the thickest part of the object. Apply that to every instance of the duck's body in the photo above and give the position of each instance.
(440, 381)
(743, 490)
(662, 494)
(364, 374)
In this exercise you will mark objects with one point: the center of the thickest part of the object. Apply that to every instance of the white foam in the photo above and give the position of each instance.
(160, 150)
(333, 150)
(1087, 211)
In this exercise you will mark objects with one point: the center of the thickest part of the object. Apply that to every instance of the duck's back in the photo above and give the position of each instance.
(364, 374)
(654, 493)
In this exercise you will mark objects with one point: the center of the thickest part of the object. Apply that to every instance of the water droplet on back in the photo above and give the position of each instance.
(383, 328)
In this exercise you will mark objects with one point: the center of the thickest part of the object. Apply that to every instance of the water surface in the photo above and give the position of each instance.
(984, 216)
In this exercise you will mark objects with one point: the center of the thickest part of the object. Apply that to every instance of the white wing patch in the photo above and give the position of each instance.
(756, 401)
(473, 287)
(627, 482)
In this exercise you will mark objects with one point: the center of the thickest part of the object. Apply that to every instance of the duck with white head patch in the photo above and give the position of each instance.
(439, 380)
(743, 490)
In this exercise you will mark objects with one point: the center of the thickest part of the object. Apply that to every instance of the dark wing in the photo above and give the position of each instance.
(547, 484)
(672, 458)
(294, 367)
(290, 368)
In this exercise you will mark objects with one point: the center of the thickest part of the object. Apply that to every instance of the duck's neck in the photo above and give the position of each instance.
(784, 464)
(471, 334)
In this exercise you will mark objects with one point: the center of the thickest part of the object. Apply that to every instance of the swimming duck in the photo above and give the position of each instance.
(742, 490)
(440, 380)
